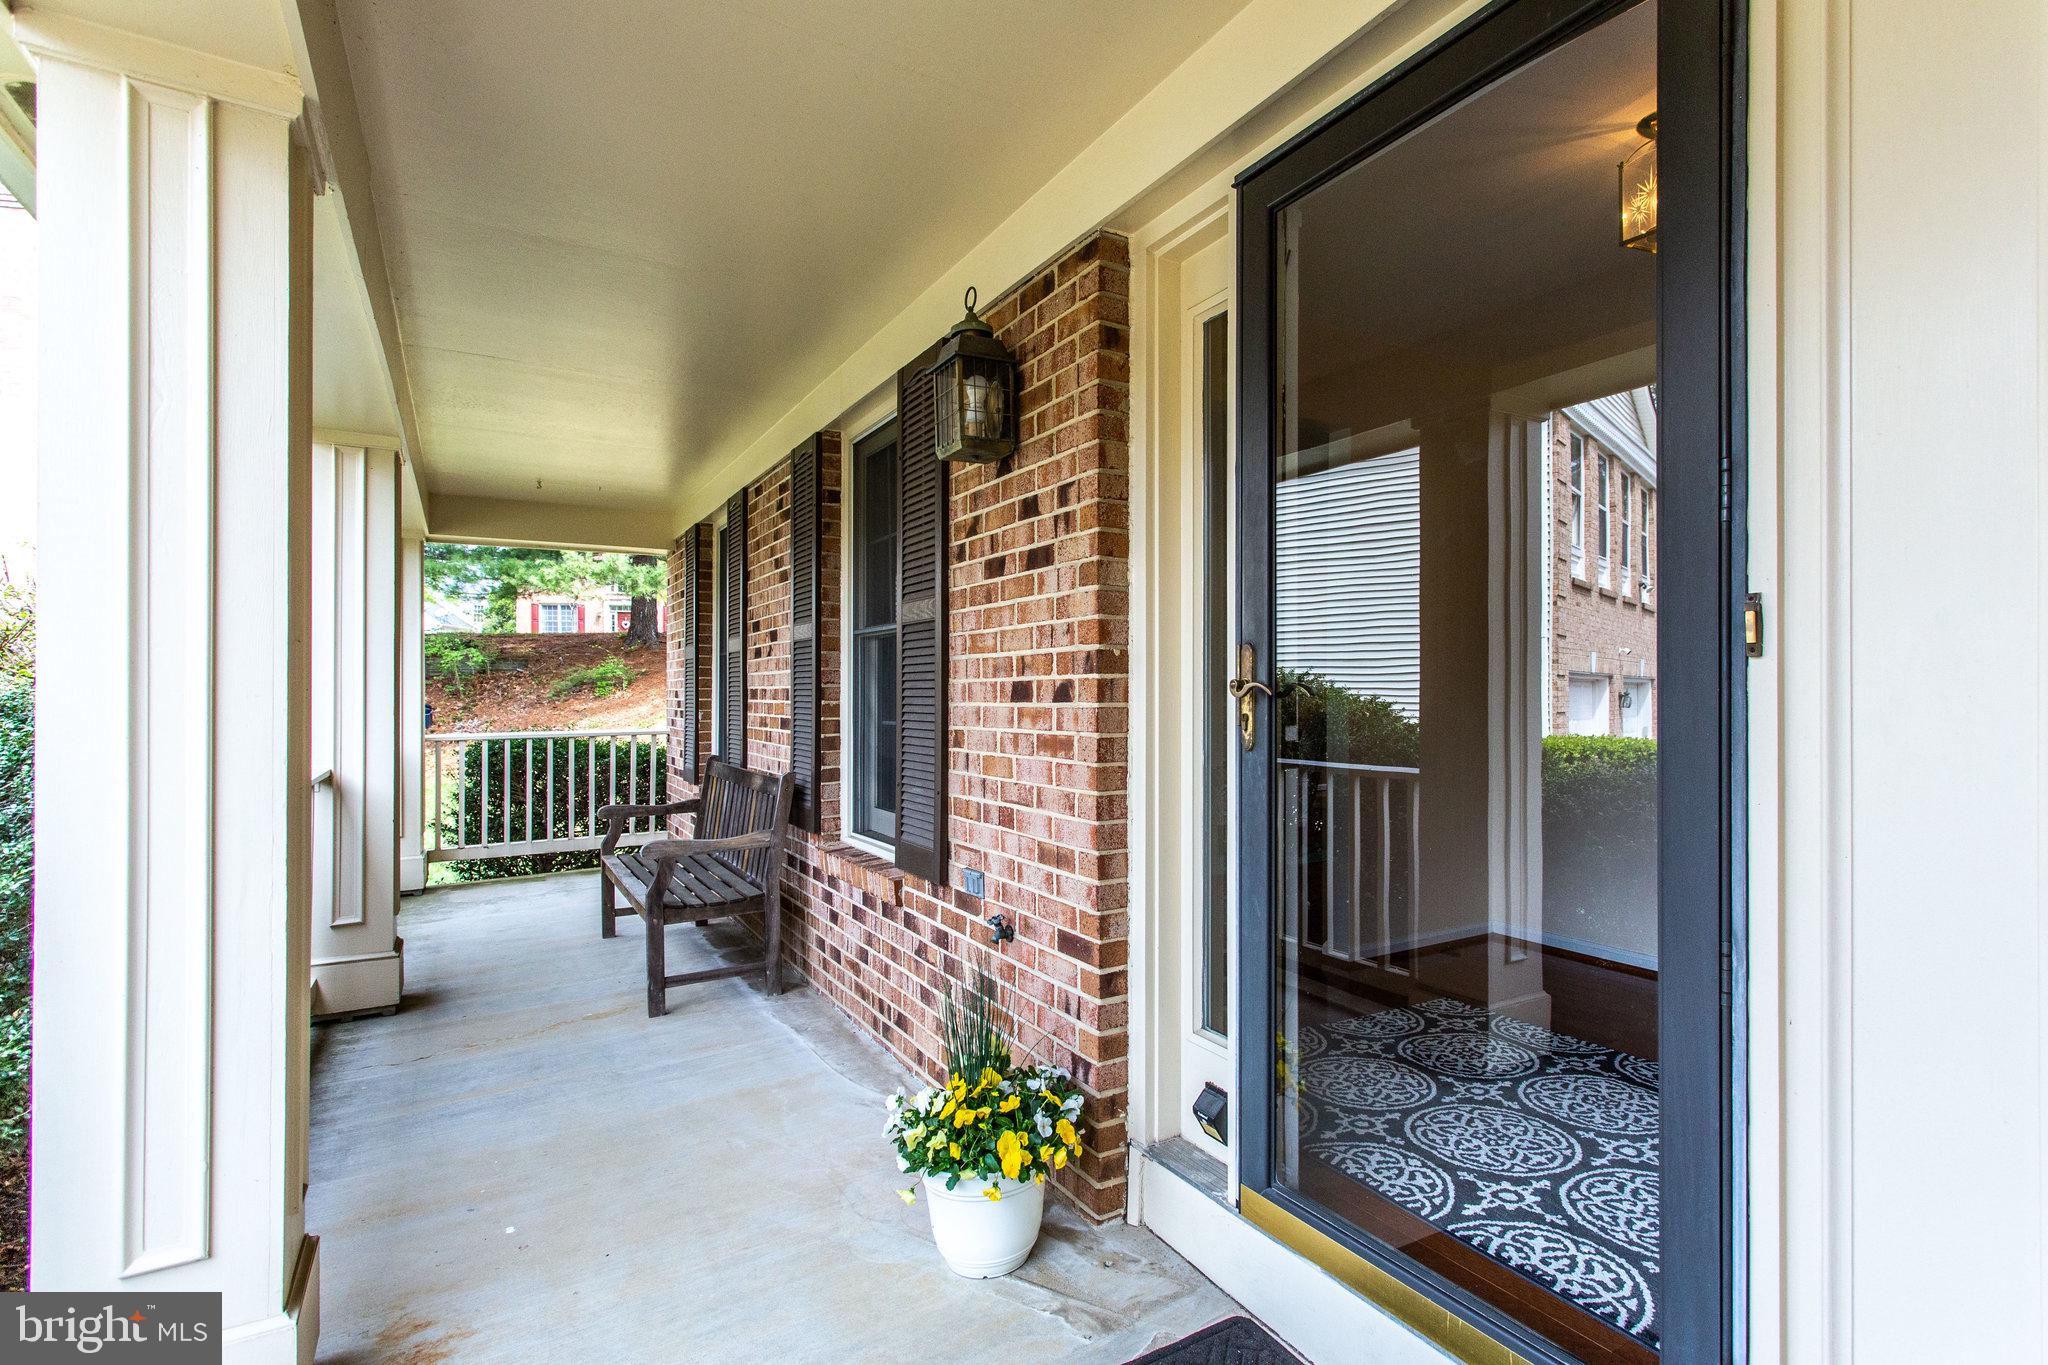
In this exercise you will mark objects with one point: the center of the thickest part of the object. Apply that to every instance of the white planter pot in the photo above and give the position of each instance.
(982, 1237)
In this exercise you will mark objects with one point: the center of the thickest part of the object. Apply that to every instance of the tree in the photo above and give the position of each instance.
(644, 578)
(502, 574)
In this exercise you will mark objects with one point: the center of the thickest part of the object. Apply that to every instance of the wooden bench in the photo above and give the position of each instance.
(733, 866)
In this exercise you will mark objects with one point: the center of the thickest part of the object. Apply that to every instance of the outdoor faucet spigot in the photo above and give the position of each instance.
(1000, 930)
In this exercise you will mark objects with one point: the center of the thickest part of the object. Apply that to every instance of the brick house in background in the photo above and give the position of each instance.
(1602, 557)
(560, 613)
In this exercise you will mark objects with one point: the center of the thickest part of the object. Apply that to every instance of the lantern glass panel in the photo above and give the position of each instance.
(1639, 198)
(946, 398)
(984, 400)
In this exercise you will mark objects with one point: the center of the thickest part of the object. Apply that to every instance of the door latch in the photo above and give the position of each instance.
(1753, 626)
(1244, 688)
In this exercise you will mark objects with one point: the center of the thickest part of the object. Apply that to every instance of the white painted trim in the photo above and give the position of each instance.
(340, 436)
(550, 525)
(45, 34)
(863, 420)
(1311, 1311)
(335, 132)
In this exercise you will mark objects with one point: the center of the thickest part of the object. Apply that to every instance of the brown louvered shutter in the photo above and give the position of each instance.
(920, 629)
(693, 556)
(732, 740)
(806, 491)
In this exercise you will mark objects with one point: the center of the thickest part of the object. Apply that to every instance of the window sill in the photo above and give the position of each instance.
(851, 861)
(864, 848)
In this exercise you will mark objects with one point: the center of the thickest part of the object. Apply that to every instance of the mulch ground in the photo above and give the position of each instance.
(14, 1221)
(517, 697)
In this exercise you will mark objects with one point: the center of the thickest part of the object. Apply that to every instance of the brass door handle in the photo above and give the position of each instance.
(1245, 689)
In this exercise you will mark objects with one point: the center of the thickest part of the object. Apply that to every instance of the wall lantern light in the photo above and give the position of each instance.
(1639, 190)
(974, 384)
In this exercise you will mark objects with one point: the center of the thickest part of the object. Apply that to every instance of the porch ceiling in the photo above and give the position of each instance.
(632, 239)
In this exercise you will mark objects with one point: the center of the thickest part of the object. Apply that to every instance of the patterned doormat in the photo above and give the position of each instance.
(1233, 1341)
(1536, 1148)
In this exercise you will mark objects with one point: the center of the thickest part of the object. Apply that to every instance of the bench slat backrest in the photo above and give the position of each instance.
(740, 801)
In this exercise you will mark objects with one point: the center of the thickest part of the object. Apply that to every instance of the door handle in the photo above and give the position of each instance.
(1245, 688)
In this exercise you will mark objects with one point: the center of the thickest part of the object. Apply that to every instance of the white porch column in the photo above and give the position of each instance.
(356, 622)
(412, 726)
(171, 874)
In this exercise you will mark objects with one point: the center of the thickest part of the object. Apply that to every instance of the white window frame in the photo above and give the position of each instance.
(548, 612)
(878, 412)
(1628, 498)
(1601, 513)
(1649, 494)
(1578, 481)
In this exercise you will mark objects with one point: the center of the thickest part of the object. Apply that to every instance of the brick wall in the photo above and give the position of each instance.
(1038, 636)
(680, 781)
(1591, 625)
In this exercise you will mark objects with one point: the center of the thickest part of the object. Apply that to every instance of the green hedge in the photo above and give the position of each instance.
(17, 859)
(572, 811)
(1330, 723)
(1599, 824)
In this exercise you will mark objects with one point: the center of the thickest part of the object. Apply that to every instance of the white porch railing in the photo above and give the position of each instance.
(523, 792)
(1350, 843)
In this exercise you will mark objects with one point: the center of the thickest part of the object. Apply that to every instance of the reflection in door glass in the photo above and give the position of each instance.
(1218, 721)
(1466, 644)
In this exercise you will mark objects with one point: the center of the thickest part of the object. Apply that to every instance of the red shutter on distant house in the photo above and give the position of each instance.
(693, 550)
(920, 629)
(806, 492)
(579, 618)
(533, 617)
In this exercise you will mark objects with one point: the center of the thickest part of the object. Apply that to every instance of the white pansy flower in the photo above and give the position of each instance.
(1044, 1126)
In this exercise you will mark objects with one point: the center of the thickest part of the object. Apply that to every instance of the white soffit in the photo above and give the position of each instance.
(623, 238)
(350, 390)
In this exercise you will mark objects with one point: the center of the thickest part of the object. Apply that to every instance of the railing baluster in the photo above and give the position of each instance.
(483, 800)
(1355, 882)
(1412, 914)
(1386, 871)
(526, 791)
(506, 758)
(551, 788)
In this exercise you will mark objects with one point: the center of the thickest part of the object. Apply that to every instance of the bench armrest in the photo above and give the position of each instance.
(614, 818)
(663, 851)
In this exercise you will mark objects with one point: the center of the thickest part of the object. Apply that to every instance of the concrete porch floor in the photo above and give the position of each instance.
(521, 1166)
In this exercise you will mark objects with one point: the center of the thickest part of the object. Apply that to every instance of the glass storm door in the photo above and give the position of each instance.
(1450, 770)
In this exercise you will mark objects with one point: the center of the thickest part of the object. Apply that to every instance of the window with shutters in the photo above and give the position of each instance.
(921, 757)
(871, 663)
(558, 618)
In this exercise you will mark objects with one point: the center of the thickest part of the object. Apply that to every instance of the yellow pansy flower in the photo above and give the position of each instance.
(1067, 1134)
(1045, 1152)
(995, 1195)
(1059, 1159)
(954, 1149)
(1009, 1105)
(908, 1196)
(950, 1103)
(1038, 1178)
(962, 1116)
(1010, 1152)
